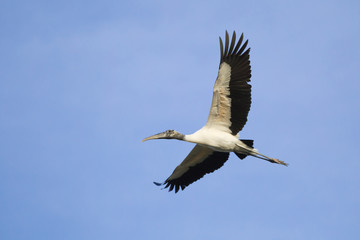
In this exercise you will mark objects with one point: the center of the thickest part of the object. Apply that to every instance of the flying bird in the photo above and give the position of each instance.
(228, 114)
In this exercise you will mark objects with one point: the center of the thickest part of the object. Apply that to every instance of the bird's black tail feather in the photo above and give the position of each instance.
(249, 143)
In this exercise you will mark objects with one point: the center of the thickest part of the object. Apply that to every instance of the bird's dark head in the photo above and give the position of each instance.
(169, 134)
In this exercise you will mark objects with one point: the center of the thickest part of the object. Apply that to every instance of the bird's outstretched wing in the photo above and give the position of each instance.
(200, 161)
(232, 92)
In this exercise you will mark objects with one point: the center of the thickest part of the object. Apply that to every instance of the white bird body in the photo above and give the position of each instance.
(228, 114)
(218, 140)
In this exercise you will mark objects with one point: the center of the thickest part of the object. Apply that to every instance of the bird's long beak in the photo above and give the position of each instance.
(156, 136)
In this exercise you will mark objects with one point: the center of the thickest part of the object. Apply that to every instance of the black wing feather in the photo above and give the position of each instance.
(240, 89)
(213, 161)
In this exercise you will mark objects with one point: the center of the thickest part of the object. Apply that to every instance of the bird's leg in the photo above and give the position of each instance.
(269, 159)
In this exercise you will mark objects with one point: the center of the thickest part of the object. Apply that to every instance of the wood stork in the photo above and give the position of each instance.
(228, 115)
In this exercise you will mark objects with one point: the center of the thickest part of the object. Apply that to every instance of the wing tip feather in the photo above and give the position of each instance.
(158, 184)
(231, 49)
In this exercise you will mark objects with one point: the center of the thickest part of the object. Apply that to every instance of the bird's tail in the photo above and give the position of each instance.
(249, 143)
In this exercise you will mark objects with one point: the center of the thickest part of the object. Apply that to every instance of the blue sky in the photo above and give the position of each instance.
(82, 82)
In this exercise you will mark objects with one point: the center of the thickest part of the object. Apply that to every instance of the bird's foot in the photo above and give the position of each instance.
(274, 160)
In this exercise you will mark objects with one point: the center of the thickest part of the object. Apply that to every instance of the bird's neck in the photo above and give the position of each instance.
(180, 136)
